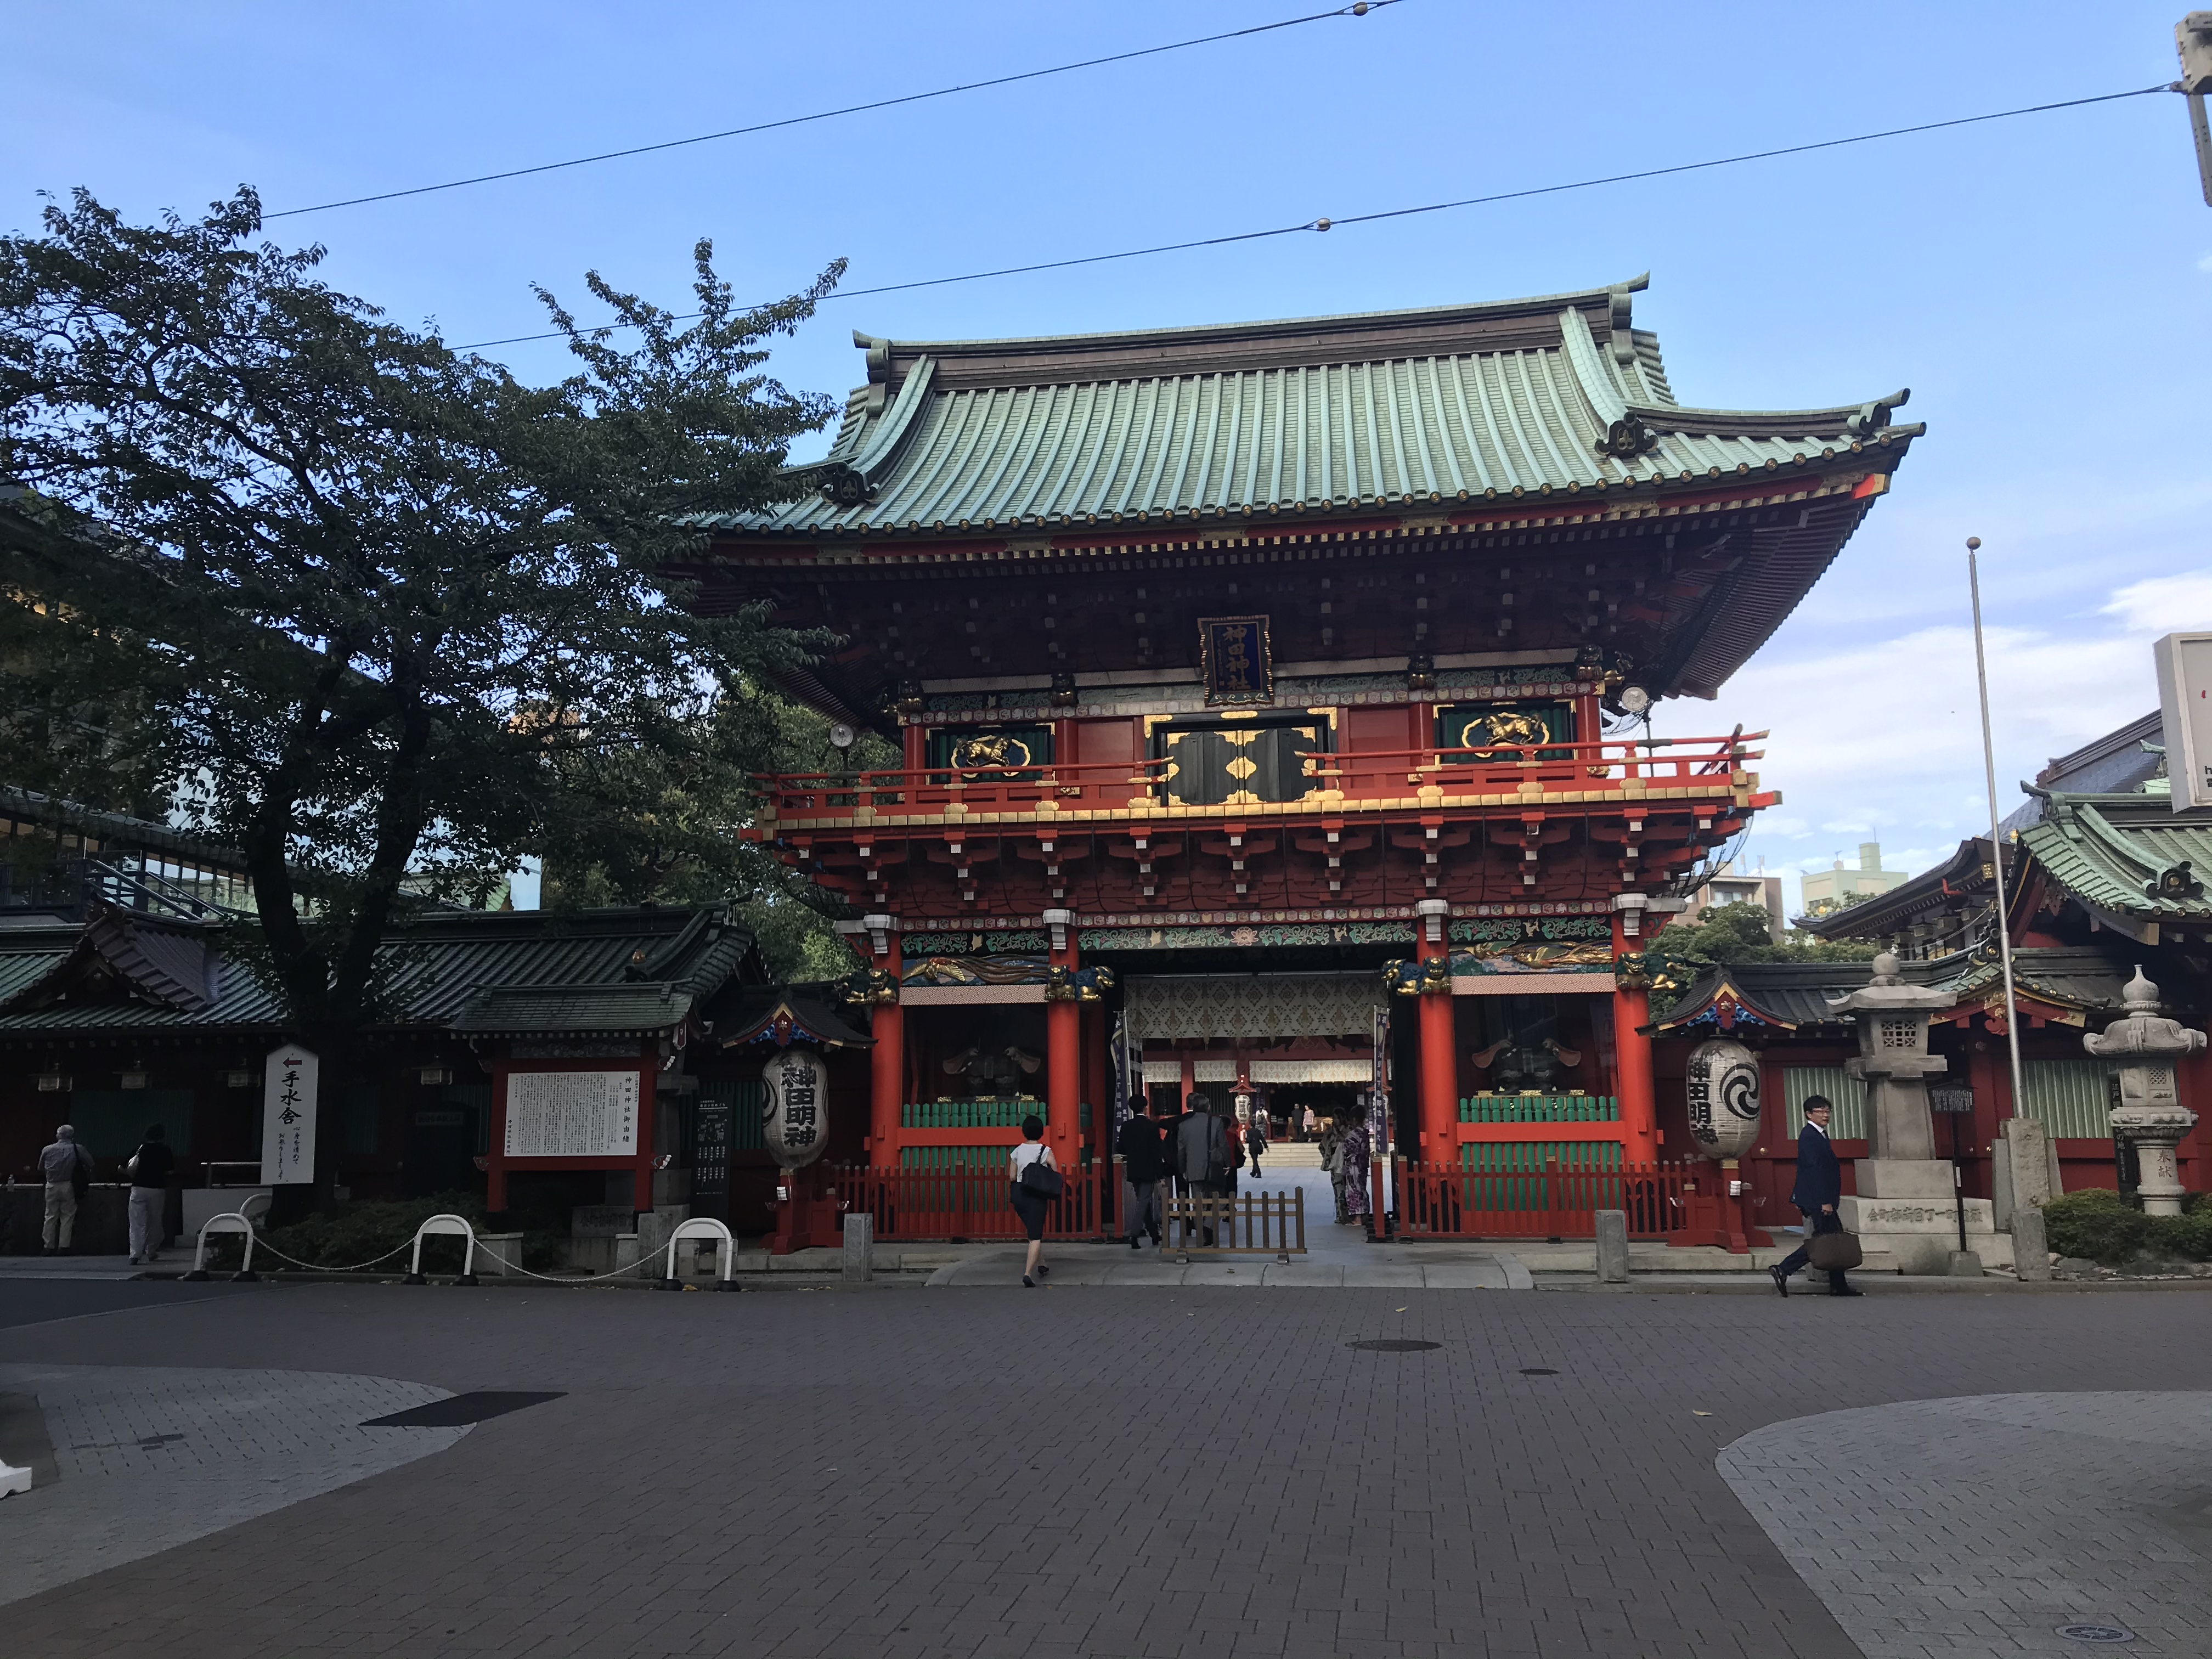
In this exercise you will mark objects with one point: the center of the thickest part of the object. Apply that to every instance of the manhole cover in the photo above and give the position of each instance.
(1538, 1370)
(1393, 1345)
(457, 1410)
(2096, 1633)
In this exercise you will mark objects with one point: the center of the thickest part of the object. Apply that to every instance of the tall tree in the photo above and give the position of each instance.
(357, 601)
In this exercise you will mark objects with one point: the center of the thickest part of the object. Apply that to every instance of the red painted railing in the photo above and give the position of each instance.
(971, 1201)
(1120, 785)
(1443, 1201)
(1605, 764)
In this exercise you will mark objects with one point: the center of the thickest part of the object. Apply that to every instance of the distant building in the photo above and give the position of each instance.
(1733, 886)
(1833, 889)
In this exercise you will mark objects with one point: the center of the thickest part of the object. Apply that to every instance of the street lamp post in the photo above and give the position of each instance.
(1996, 846)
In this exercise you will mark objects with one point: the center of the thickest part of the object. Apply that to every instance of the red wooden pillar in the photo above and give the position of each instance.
(1632, 1010)
(1439, 1048)
(1189, 1079)
(887, 1060)
(1063, 1045)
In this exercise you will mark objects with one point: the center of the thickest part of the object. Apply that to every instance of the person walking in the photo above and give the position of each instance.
(1332, 1159)
(1203, 1158)
(150, 1169)
(66, 1166)
(1143, 1161)
(1030, 1196)
(1818, 1190)
(1311, 1126)
(1352, 1154)
(1255, 1137)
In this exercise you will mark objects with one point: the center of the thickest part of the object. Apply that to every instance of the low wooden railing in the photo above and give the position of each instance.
(1447, 1200)
(963, 1201)
(1268, 1223)
(1142, 785)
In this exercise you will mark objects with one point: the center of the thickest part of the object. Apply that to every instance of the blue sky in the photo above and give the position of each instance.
(2040, 284)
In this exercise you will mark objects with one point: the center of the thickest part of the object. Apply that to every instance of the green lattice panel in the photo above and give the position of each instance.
(1540, 1109)
(1508, 1174)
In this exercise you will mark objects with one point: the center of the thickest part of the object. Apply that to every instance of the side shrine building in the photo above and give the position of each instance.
(1273, 700)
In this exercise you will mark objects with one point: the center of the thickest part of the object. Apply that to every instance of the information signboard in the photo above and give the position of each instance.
(572, 1114)
(290, 1082)
(2184, 705)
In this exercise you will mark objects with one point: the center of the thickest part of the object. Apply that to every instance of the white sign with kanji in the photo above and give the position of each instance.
(572, 1114)
(288, 1116)
(795, 1107)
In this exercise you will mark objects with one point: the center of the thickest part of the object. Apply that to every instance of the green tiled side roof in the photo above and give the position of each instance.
(2112, 851)
(1454, 403)
(638, 970)
(1799, 993)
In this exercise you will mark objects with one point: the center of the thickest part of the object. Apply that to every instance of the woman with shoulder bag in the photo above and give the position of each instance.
(1037, 1181)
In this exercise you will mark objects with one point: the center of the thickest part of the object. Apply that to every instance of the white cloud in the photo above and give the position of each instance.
(2164, 604)
(1875, 737)
(2205, 263)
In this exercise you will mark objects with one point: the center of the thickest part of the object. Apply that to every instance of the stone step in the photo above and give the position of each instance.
(1290, 1155)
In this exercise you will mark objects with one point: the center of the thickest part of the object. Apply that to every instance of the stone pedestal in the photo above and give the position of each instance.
(2150, 1116)
(1922, 1233)
(1612, 1247)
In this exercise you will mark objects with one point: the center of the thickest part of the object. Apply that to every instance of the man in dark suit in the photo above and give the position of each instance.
(1817, 1191)
(1143, 1161)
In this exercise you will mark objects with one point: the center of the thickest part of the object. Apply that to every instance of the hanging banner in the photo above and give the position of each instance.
(1128, 1075)
(288, 1089)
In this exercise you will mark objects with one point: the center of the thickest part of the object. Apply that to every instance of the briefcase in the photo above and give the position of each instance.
(1834, 1252)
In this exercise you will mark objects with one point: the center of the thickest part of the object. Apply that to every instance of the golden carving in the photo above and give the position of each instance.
(1240, 769)
(1504, 727)
(990, 751)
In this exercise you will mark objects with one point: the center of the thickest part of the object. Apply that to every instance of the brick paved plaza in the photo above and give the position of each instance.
(1094, 1471)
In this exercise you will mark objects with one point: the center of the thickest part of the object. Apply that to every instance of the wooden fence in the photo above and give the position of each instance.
(1267, 1224)
(962, 1201)
(1447, 1200)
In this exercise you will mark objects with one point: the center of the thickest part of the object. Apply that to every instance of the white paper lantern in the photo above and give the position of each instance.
(1722, 1083)
(795, 1107)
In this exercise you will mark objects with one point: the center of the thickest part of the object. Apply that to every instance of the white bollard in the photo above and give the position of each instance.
(444, 1226)
(230, 1221)
(725, 1252)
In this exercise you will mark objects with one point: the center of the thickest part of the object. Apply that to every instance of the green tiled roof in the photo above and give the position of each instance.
(1452, 403)
(641, 970)
(2129, 856)
(1798, 993)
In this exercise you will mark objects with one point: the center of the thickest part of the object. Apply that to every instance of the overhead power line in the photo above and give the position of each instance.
(1327, 224)
(1357, 8)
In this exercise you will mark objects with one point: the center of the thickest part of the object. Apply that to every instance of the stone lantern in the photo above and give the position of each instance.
(2150, 1116)
(1907, 1201)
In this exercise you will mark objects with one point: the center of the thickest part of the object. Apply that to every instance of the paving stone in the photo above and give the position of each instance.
(1176, 1471)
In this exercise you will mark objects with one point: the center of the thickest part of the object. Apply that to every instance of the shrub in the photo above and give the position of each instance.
(2186, 1237)
(2096, 1224)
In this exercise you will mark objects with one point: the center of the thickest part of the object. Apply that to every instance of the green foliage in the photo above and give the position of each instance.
(2183, 1238)
(2097, 1224)
(1734, 933)
(372, 610)
(350, 1235)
